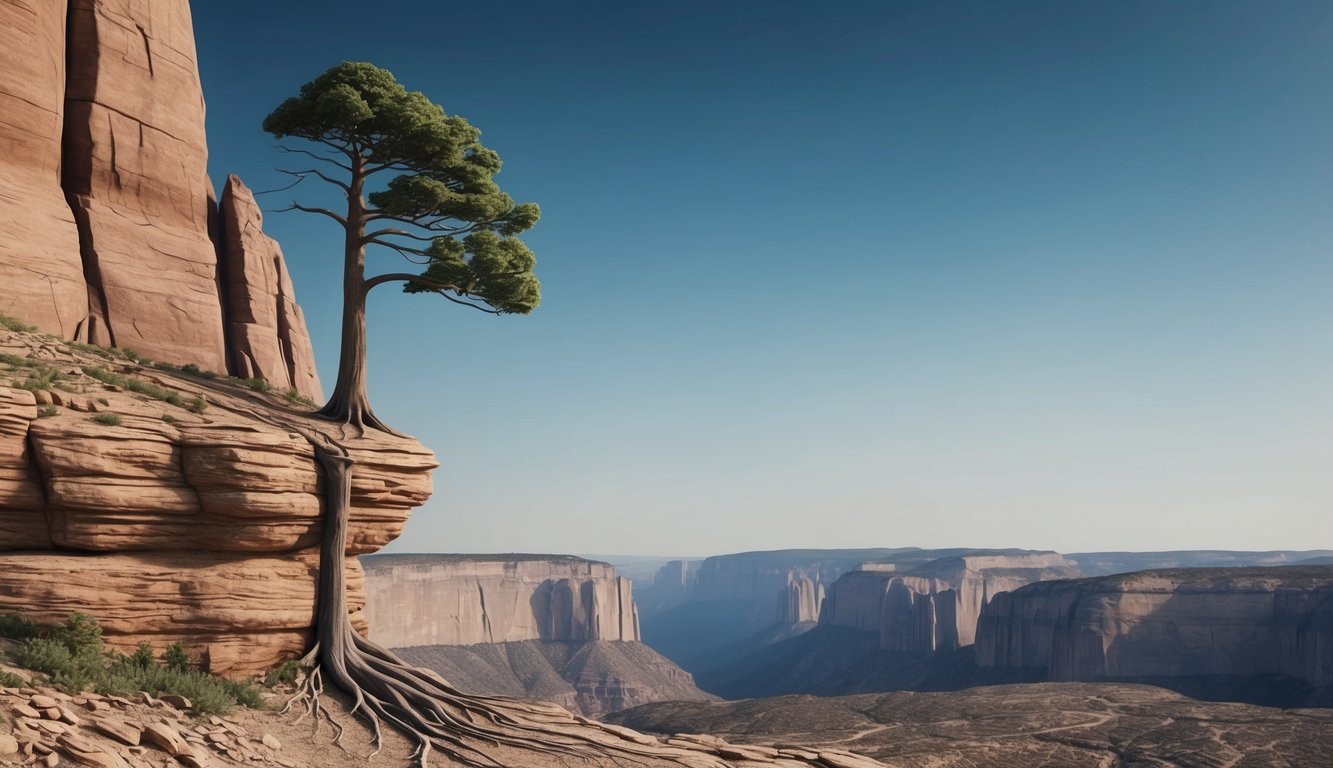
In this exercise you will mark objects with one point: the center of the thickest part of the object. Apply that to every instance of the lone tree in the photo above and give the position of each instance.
(417, 182)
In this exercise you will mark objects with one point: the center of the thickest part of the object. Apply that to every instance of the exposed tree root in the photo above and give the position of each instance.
(385, 689)
(352, 413)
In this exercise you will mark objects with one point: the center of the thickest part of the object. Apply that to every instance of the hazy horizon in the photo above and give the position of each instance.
(1037, 275)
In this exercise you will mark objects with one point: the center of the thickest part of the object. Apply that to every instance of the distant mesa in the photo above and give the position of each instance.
(112, 232)
(1159, 625)
(555, 627)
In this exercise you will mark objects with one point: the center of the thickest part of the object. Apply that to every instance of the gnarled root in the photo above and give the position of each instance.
(385, 689)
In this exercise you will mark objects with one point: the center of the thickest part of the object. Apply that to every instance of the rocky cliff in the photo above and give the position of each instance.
(112, 233)
(175, 508)
(465, 599)
(933, 606)
(1167, 624)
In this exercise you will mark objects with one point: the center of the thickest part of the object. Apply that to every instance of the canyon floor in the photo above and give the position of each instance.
(1061, 725)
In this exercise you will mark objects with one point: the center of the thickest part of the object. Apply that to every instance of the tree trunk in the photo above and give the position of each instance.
(350, 402)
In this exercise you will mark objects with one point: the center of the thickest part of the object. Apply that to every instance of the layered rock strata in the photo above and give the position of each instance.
(103, 492)
(1166, 624)
(416, 600)
(935, 606)
(105, 201)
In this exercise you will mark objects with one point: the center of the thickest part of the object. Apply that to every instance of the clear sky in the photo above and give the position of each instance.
(1033, 274)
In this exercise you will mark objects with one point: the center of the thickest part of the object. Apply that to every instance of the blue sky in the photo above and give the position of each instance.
(1038, 274)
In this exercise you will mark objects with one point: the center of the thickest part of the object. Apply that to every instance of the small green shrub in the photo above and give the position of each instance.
(71, 656)
(295, 397)
(131, 354)
(47, 411)
(143, 656)
(258, 385)
(197, 405)
(79, 633)
(175, 657)
(283, 673)
(91, 349)
(192, 369)
(16, 626)
(136, 385)
(15, 324)
(10, 680)
(109, 419)
(168, 418)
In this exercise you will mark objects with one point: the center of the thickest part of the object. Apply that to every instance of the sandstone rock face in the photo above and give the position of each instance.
(415, 600)
(266, 329)
(1155, 624)
(801, 600)
(230, 486)
(935, 606)
(135, 173)
(111, 232)
(237, 614)
(39, 252)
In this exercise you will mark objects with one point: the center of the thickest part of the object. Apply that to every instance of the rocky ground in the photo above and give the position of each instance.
(1069, 725)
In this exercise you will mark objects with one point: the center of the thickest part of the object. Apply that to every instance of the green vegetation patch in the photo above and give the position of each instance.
(71, 655)
(136, 385)
(109, 419)
(15, 324)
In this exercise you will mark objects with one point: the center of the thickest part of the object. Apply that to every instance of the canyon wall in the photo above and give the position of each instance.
(933, 606)
(111, 229)
(1166, 624)
(417, 600)
(190, 514)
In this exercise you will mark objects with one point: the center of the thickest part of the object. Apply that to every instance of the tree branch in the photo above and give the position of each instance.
(322, 211)
(302, 174)
(308, 153)
(440, 288)
(410, 254)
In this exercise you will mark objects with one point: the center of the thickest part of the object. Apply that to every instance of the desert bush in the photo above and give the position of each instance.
(10, 680)
(72, 657)
(47, 411)
(283, 673)
(16, 626)
(197, 405)
(109, 419)
(15, 324)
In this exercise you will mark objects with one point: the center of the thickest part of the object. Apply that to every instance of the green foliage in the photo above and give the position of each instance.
(175, 657)
(168, 418)
(136, 385)
(91, 349)
(143, 656)
(80, 632)
(495, 269)
(71, 656)
(10, 680)
(296, 398)
(197, 405)
(258, 385)
(16, 626)
(47, 411)
(132, 354)
(15, 324)
(109, 419)
(283, 673)
(191, 369)
(444, 186)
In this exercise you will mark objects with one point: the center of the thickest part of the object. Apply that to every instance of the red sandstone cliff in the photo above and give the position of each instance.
(105, 202)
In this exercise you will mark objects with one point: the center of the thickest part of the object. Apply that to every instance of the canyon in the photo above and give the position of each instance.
(555, 627)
